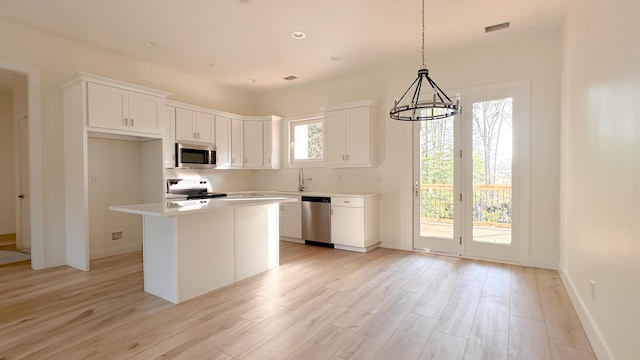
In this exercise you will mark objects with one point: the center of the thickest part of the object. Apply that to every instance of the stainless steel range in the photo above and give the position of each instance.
(190, 189)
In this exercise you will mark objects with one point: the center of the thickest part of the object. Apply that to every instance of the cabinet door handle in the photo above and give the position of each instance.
(125, 121)
(131, 122)
(347, 157)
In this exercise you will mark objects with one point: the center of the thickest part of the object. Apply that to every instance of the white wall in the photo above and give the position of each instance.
(58, 59)
(600, 177)
(115, 175)
(7, 164)
(537, 58)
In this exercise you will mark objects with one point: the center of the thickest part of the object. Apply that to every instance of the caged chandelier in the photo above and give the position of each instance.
(423, 107)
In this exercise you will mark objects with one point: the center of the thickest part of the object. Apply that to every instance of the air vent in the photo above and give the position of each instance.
(290, 77)
(496, 27)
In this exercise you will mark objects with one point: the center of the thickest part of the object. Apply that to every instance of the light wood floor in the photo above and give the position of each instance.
(8, 243)
(319, 304)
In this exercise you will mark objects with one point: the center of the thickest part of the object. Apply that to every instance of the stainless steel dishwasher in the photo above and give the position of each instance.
(316, 220)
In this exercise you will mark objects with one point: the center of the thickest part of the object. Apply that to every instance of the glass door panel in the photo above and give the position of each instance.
(436, 187)
(492, 158)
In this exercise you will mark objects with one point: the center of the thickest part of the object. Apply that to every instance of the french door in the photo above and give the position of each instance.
(469, 195)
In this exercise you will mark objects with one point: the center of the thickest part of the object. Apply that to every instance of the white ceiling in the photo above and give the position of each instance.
(250, 39)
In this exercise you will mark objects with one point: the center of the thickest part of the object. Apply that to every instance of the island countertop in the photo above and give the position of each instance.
(180, 207)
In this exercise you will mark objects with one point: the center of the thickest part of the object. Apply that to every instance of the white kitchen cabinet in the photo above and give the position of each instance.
(241, 142)
(97, 107)
(115, 108)
(237, 157)
(291, 220)
(223, 141)
(271, 143)
(194, 126)
(267, 143)
(253, 143)
(349, 137)
(354, 223)
(169, 140)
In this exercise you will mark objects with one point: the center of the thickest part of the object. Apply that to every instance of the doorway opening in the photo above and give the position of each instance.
(27, 121)
(15, 239)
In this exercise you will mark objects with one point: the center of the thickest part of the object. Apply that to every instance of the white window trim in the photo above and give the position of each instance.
(291, 122)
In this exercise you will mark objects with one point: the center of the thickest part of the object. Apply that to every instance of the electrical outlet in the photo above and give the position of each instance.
(593, 290)
(94, 180)
(116, 235)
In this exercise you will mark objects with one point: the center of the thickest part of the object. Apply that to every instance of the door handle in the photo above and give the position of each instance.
(21, 196)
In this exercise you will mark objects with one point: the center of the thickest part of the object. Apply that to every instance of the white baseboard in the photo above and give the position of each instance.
(115, 251)
(357, 249)
(599, 345)
(543, 262)
(293, 240)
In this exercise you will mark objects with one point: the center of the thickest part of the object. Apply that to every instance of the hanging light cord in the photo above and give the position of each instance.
(423, 63)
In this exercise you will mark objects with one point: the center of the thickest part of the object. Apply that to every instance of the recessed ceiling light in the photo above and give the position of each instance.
(209, 65)
(150, 44)
(251, 81)
(335, 58)
(298, 35)
(290, 77)
(496, 27)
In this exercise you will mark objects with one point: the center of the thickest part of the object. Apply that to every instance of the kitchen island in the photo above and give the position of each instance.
(191, 247)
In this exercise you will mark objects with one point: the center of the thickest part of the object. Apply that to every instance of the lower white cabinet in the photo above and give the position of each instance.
(354, 223)
(291, 220)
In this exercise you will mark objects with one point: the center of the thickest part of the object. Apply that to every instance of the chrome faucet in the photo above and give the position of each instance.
(301, 179)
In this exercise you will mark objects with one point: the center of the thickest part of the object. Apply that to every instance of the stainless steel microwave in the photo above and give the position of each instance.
(195, 156)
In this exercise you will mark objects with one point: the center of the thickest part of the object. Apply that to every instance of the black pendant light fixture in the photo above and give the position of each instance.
(424, 105)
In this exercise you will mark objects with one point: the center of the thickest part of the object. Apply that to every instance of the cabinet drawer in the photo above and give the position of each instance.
(347, 201)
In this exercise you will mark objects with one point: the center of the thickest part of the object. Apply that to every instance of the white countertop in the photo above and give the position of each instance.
(182, 207)
(307, 193)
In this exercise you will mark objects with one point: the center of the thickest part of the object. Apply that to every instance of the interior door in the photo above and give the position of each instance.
(23, 217)
(437, 186)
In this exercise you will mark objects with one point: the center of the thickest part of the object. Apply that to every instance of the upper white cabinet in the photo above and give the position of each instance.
(237, 156)
(271, 143)
(253, 143)
(169, 139)
(195, 126)
(116, 108)
(349, 134)
(223, 141)
(241, 142)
